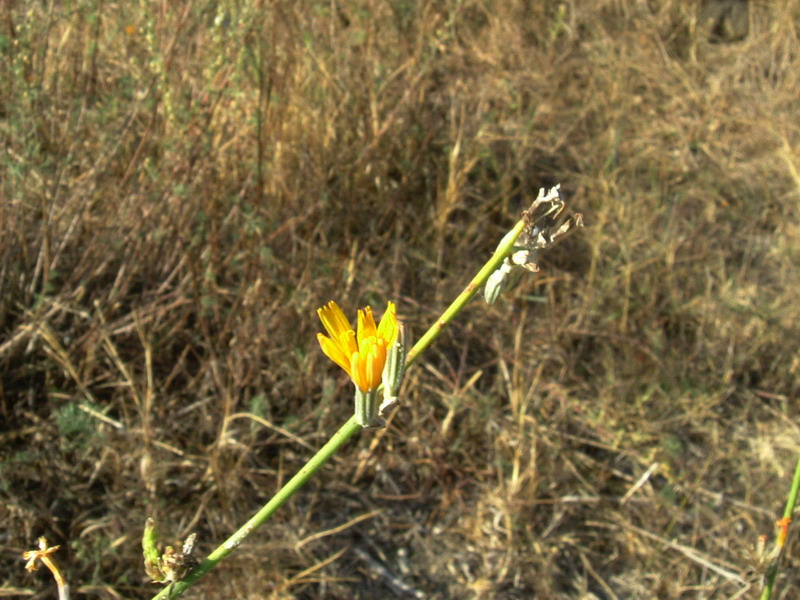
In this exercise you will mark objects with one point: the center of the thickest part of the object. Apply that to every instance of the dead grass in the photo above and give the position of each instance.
(185, 182)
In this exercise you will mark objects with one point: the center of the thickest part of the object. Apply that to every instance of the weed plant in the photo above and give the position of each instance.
(184, 183)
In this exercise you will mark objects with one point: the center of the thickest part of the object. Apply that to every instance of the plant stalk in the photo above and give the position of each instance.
(339, 438)
(791, 503)
(503, 250)
(345, 432)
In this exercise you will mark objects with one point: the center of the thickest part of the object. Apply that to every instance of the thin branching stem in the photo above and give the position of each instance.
(345, 432)
(503, 250)
(339, 438)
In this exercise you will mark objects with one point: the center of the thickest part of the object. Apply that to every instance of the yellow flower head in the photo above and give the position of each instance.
(361, 354)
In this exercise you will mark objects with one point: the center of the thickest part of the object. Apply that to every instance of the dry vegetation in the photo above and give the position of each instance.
(184, 183)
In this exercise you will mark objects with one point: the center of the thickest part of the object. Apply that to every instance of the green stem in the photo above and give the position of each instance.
(503, 250)
(345, 432)
(791, 503)
(339, 438)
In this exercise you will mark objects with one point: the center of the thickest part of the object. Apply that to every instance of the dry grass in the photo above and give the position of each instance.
(185, 182)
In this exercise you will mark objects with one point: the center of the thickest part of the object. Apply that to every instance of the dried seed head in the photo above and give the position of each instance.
(546, 223)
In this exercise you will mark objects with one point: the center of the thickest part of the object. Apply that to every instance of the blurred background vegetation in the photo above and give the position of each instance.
(184, 183)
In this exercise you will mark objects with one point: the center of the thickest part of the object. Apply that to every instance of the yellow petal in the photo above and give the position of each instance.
(376, 358)
(387, 330)
(357, 373)
(341, 335)
(366, 325)
(333, 351)
(347, 342)
(333, 319)
(367, 364)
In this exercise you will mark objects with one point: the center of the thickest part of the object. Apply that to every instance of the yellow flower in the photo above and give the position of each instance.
(363, 354)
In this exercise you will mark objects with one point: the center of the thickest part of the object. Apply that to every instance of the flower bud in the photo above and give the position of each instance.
(395, 367)
(497, 282)
(150, 550)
